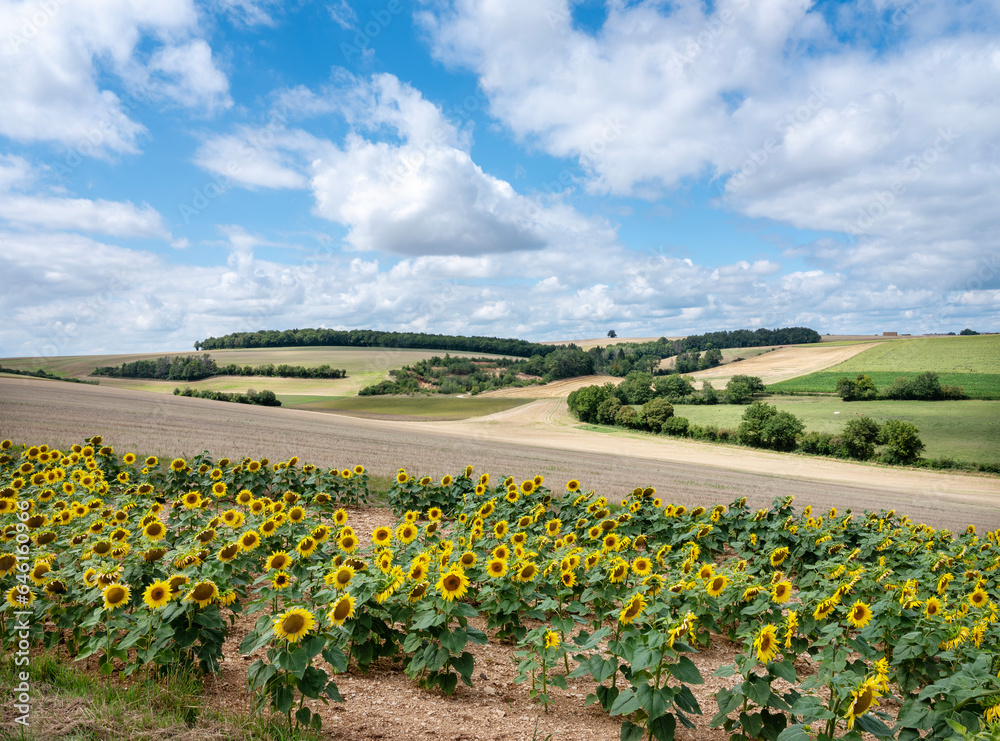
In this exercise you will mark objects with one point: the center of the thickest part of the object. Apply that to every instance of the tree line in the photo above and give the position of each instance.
(263, 398)
(197, 367)
(925, 387)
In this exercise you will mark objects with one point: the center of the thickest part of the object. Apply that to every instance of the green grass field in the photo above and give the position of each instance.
(968, 431)
(976, 385)
(976, 354)
(418, 407)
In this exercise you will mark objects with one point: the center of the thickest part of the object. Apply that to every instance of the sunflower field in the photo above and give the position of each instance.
(848, 624)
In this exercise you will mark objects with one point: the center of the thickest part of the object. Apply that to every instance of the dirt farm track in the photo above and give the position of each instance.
(539, 437)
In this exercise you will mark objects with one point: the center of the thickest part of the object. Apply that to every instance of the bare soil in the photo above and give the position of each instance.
(536, 438)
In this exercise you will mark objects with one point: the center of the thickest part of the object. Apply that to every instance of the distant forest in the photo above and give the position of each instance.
(618, 359)
(196, 367)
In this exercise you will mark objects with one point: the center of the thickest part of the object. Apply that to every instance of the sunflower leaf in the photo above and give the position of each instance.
(625, 704)
(463, 664)
(454, 640)
(631, 732)
(336, 658)
(477, 636)
(686, 671)
(663, 728)
(465, 610)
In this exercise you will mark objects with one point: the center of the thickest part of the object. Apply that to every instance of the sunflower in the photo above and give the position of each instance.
(632, 609)
(293, 624)
(778, 556)
(296, 515)
(453, 584)
(307, 546)
(527, 486)
(860, 614)
(406, 533)
(568, 578)
(824, 608)
(20, 596)
(280, 580)
(932, 607)
(157, 594)
(115, 595)
(611, 543)
(202, 593)
(618, 570)
(341, 578)
(496, 567)
(401, 478)
(152, 461)
(342, 611)
(551, 639)
(716, 585)
(467, 560)
(381, 537)
(572, 485)
(154, 530)
(642, 566)
(38, 572)
(418, 570)
(347, 542)
(781, 591)
(219, 488)
(249, 540)
(978, 598)
(268, 527)
(525, 571)
(245, 497)
(862, 698)
(766, 643)
(385, 561)
(228, 552)
(178, 464)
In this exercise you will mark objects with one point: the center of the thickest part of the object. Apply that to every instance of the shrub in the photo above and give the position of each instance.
(763, 426)
(901, 441)
(675, 426)
(607, 410)
(860, 436)
(861, 388)
(656, 412)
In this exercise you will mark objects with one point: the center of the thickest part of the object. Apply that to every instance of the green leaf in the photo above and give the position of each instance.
(303, 715)
(759, 691)
(464, 664)
(727, 702)
(642, 657)
(465, 610)
(477, 636)
(874, 726)
(785, 670)
(448, 682)
(294, 662)
(663, 728)
(654, 701)
(282, 697)
(751, 723)
(631, 732)
(794, 733)
(313, 682)
(607, 696)
(726, 670)
(625, 704)
(333, 692)
(454, 640)
(686, 671)
(313, 645)
(558, 680)
(412, 643)
(685, 700)
(337, 659)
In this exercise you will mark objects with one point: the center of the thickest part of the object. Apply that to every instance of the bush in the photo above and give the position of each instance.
(628, 417)
(861, 388)
(607, 410)
(860, 436)
(656, 412)
(763, 426)
(901, 441)
(675, 426)
(818, 443)
(742, 389)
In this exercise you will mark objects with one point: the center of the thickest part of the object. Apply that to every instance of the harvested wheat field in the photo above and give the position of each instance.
(555, 390)
(533, 438)
(783, 363)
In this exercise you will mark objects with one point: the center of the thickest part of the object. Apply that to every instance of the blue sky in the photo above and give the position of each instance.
(545, 169)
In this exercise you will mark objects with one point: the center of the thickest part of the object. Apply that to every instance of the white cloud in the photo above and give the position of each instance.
(55, 56)
(114, 218)
(796, 120)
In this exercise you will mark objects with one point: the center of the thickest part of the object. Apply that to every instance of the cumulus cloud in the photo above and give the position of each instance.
(785, 105)
(56, 54)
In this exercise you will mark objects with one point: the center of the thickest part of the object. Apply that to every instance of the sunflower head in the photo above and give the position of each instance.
(293, 624)
(115, 595)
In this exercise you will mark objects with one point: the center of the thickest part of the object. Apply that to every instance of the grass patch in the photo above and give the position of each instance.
(975, 354)
(976, 385)
(419, 407)
(964, 430)
(71, 703)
